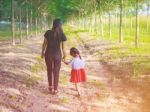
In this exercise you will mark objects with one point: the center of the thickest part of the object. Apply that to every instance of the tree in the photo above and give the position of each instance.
(20, 21)
(137, 24)
(121, 13)
(147, 24)
(27, 20)
(31, 17)
(12, 22)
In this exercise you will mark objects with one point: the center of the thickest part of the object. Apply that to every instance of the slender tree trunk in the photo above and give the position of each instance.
(102, 27)
(84, 21)
(79, 20)
(36, 24)
(116, 19)
(91, 23)
(137, 24)
(131, 23)
(121, 13)
(31, 18)
(39, 22)
(147, 24)
(125, 21)
(109, 24)
(27, 20)
(95, 16)
(20, 23)
(12, 22)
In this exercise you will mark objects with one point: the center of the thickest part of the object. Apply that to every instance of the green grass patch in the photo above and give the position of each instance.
(5, 35)
(31, 81)
(64, 79)
(39, 66)
(64, 100)
(36, 69)
(97, 83)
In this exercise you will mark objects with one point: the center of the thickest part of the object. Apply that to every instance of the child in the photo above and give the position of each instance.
(78, 72)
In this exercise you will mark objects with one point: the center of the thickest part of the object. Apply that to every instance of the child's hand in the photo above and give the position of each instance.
(64, 61)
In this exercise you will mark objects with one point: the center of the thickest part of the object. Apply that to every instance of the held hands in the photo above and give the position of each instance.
(63, 60)
(64, 56)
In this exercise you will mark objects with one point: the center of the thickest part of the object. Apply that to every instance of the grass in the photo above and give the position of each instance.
(97, 83)
(64, 79)
(64, 100)
(6, 35)
(31, 81)
(37, 66)
(141, 60)
(36, 70)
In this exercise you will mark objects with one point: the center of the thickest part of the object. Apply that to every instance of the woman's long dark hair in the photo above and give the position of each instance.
(57, 28)
(75, 51)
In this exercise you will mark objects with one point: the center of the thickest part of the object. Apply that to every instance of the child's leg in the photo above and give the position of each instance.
(77, 89)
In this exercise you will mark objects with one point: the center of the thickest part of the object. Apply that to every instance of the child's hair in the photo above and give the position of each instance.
(75, 51)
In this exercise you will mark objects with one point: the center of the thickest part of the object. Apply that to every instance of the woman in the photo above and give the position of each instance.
(54, 43)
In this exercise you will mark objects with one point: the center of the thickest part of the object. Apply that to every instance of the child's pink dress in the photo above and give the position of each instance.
(78, 72)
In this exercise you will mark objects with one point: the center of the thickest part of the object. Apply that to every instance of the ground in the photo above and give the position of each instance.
(23, 82)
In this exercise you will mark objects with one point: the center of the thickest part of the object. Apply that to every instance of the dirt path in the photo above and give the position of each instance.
(23, 84)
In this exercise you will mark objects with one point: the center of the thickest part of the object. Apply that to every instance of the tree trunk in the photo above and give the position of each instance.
(109, 24)
(116, 21)
(102, 27)
(79, 21)
(95, 17)
(95, 21)
(12, 22)
(27, 21)
(84, 22)
(41, 23)
(90, 25)
(130, 23)
(137, 24)
(31, 19)
(121, 13)
(125, 21)
(36, 24)
(20, 23)
(82, 19)
(147, 24)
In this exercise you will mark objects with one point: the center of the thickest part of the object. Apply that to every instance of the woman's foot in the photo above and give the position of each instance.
(55, 92)
(50, 89)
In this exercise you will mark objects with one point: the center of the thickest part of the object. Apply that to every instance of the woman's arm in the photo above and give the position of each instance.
(63, 50)
(44, 48)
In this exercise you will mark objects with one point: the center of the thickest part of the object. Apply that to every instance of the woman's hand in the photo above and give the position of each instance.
(42, 55)
(64, 57)
(43, 48)
(63, 50)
